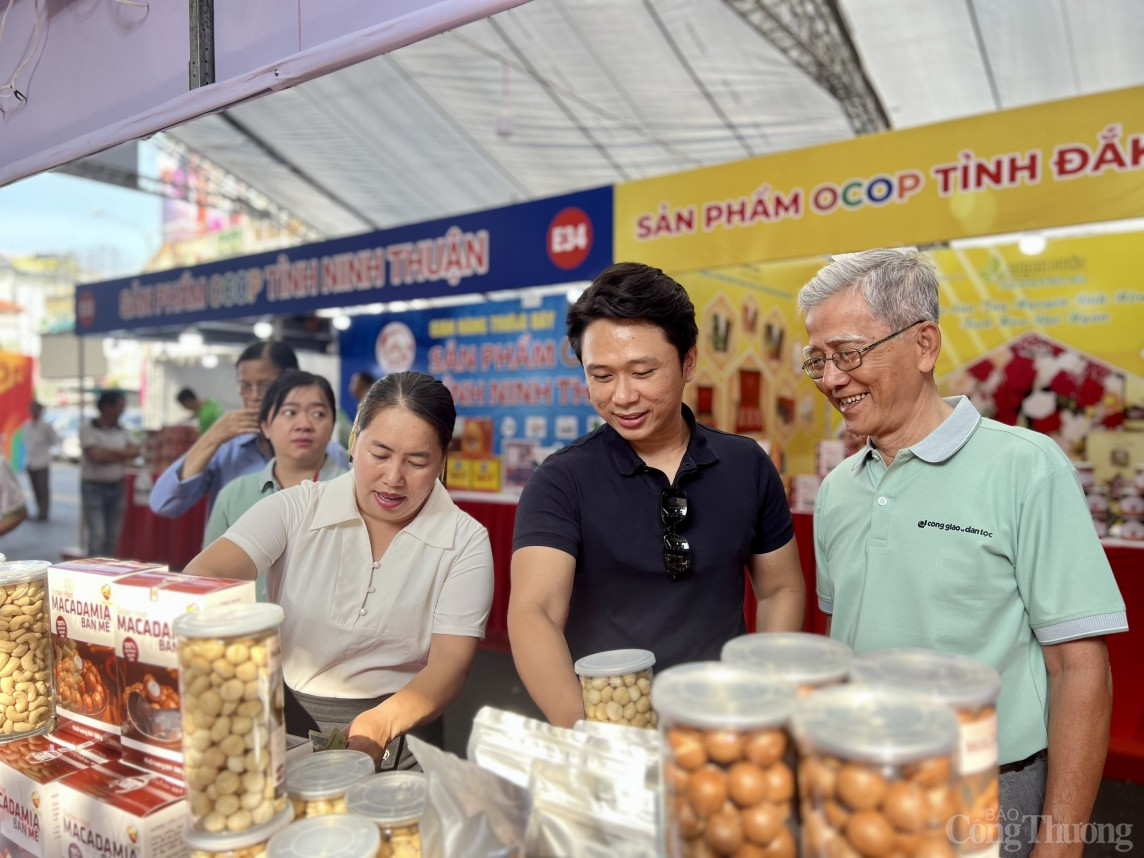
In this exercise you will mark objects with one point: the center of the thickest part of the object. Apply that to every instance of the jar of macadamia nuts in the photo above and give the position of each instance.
(809, 661)
(247, 844)
(234, 731)
(340, 835)
(971, 689)
(317, 784)
(25, 650)
(395, 801)
(728, 784)
(616, 686)
(875, 773)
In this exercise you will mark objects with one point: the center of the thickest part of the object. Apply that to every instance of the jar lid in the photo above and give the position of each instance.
(799, 657)
(19, 571)
(226, 841)
(713, 694)
(614, 662)
(956, 680)
(228, 621)
(337, 835)
(327, 773)
(389, 798)
(884, 725)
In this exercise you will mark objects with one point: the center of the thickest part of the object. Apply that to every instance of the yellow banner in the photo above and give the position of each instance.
(1074, 161)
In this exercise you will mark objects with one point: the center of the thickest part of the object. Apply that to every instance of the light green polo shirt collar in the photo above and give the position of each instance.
(435, 525)
(267, 484)
(940, 444)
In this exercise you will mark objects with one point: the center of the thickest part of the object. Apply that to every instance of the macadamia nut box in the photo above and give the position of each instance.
(147, 658)
(31, 773)
(116, 810)
(82, 622)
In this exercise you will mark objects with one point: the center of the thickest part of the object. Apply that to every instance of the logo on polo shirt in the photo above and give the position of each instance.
(942, 525)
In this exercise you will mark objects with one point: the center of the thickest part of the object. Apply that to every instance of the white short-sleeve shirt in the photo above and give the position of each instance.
(355, 628)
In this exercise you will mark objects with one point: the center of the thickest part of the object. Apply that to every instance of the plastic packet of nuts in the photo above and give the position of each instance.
(508, 744)
(590, 810)
(469, 812)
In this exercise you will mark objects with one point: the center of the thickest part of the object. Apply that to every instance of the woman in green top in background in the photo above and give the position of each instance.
(297, 419)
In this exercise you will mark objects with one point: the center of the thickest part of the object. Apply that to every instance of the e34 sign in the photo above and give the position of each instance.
(569, 238)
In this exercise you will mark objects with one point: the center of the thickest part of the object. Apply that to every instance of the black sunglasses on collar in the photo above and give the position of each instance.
(676, 550)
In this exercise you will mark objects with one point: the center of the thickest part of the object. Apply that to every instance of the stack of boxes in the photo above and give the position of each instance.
(161, 447)
(108, 778)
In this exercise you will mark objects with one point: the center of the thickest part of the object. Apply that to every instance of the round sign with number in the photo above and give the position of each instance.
(569, 238)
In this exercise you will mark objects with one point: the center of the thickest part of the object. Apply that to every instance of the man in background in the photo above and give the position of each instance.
(206, 411)
(39, 438)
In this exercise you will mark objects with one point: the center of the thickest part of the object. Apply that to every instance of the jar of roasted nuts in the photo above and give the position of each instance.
(971, 689)
(395, 801)
(616, 687)
(25, 650)
(234, 731)
(340, 835)
(317, 784)
(728, 787)
(875, 773)
(247, 844)
(809, 661)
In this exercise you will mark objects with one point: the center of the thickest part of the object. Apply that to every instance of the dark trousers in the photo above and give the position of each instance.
(103, 508)
(38, 477)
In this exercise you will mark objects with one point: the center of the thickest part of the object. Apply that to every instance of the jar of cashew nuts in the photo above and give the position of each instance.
(394, 801)
(809, 661)
(234, 731)
(616, 687)
(729, 787)
(971, 689)
(25, 650)
(340, 835)
(317, 784)
(875, 773)
(247, 844)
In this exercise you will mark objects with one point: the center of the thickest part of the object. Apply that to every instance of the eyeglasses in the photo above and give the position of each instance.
(848, 359)
(676, 551)
(247, 389)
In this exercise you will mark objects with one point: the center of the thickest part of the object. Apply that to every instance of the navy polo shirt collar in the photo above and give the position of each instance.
(628, 462)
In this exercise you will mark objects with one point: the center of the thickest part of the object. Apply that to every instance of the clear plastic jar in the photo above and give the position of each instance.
(234, 730)
(340, 835)
(395, 801)
(728, 785)
(247, 844)
(317, 784)
(809, 661)
(25, 650)
(616, 687)
(876, 773)
(971, 689)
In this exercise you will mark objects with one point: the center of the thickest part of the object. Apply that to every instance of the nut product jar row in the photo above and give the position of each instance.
(234, 732)
(25, 650)
(809, 661)
(729, 787)
(317, 785)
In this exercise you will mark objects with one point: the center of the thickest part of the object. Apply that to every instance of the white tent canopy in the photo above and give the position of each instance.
(557, 95)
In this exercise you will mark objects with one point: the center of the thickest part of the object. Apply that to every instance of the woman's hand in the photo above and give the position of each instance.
(371, 731)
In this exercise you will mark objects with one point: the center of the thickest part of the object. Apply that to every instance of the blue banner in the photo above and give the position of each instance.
(518, 387)
(543, 242)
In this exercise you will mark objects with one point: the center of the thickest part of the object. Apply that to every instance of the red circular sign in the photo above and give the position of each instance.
(569, 238)
(85, 308)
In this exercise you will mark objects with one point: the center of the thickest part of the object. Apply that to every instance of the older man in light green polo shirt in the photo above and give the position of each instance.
(954, 532)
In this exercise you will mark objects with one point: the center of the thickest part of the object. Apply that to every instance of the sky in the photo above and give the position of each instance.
(111, 229)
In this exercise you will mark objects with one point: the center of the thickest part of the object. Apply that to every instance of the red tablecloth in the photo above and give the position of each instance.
(146, 536)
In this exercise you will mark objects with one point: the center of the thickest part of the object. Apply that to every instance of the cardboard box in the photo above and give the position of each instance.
(147, 658)
(459, 474)
(82, 622)
(101, 750)
(486, 475)
(116, 810)
(32, 770)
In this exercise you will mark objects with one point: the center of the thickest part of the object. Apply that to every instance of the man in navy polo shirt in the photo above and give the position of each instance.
(637, 534)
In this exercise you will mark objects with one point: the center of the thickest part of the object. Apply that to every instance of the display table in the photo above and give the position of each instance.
(154, 538)
(1126, 748)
